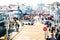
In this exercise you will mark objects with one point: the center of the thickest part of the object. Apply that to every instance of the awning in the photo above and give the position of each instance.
(27, 16)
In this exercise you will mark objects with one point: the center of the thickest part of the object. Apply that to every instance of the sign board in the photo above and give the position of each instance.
(45, 29)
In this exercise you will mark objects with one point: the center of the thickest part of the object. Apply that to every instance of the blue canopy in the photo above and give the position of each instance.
(20, 11)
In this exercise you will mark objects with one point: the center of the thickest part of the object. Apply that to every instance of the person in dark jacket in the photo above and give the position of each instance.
(17, 26)
(52, 29)
(58, 29)
(58, 37)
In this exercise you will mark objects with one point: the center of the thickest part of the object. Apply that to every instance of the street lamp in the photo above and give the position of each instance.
(7, 27)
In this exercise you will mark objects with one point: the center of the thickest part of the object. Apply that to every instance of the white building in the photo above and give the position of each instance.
(57, 12)
(3, 8)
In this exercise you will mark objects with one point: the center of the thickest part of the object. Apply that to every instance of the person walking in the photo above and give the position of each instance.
(17, 27)
(58, 29)
(58, 37)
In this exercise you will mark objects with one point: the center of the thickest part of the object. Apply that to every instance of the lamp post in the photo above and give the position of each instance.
(7, 27)
(6, 24)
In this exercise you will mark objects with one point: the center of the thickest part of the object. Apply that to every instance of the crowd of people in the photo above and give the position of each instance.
(14, 24)
(54, 30)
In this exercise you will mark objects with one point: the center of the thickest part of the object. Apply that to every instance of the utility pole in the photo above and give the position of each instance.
(7, 26)
(57, 14)
(50, 9)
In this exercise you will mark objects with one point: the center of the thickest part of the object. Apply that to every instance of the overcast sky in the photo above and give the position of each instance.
(31, 2)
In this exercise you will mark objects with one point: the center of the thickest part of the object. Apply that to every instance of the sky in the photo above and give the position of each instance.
(27, 2)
